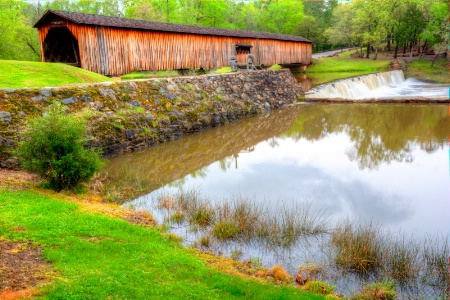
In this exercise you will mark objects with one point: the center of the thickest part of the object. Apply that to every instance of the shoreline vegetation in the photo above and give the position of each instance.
(95, 251)
(100, 250)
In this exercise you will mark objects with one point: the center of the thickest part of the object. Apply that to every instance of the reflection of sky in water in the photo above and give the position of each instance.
(411, 197)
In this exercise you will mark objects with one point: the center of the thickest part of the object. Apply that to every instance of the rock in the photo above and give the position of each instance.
(45, 92)
(10, 163)
(130, 133)
(70, 100)
(38, 98)
(183, 103)
(171, 96)
(21, 114)
(86, 98)
(136, 103)
(215, 120)
(198, 97)
(267, 106)
(5, 114)
(108, 92)
(9, 91)
(149, 117)
(170, 87)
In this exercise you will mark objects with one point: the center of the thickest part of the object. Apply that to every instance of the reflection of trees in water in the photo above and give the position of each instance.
(146, 171)
(380, 133)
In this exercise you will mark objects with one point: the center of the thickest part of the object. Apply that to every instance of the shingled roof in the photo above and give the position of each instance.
(97, 20)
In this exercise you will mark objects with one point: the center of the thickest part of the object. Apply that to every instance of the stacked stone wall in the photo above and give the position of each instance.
(131, 115)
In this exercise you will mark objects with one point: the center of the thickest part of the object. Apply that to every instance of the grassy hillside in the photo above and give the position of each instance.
(20, 74)
(97, 256)
(423, 70)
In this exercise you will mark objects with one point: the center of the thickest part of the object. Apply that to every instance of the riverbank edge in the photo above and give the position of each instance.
(257, 278)
(132, 115)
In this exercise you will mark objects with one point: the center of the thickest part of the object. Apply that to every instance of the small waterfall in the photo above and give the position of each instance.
(360, 87)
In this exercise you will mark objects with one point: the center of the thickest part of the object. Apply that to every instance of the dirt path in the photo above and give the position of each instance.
(21, 269)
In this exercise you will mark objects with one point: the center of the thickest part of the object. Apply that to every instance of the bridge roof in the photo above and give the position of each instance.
(98, 20)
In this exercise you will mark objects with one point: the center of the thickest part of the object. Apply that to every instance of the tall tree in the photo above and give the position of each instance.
(18, 40)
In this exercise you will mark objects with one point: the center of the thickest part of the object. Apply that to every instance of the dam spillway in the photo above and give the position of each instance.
(381, 85)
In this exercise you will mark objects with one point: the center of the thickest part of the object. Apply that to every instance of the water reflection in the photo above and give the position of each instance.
(383, 163)
(304, 81)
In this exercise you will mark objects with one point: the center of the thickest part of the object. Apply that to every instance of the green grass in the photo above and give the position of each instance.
(331, 64)
(149, 74)
(422, 70)
(346, 54)
(20, 74)
(99, 257)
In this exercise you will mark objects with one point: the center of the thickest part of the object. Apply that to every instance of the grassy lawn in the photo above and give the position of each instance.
(149, 74)
(97, 256)
(333, 65)
(422, 70)
(20, 74)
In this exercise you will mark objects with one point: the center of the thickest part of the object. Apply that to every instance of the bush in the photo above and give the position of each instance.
(53, 147)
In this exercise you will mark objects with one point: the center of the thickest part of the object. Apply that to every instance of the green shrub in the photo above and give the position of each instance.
(384, 290)
(53, 147)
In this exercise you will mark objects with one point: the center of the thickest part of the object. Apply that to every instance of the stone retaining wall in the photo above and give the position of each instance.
(131, 115)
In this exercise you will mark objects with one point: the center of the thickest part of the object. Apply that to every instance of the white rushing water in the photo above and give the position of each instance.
(383, 85)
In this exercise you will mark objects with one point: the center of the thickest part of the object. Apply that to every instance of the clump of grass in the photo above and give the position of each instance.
(243, 219)
(320, 287)
(236, 254)
(290, 223)
(436, 258)
(225, 230)
(384, 290)
(203, 215)
(402, 259)
(177, 217)
(281, 274)
(205, 241)
(256, 262)
(358, 246)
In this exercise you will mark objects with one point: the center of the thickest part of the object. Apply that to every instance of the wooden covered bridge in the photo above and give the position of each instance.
(116, 46)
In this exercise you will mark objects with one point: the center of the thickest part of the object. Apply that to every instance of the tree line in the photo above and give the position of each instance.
(402, 24)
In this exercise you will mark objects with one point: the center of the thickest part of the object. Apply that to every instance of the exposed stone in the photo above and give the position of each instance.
(86, 98)
(171, 96)
(45, 92)
(267, 106)
(38, 98)
(136, 103)
(130, 133)
(5, 114)
(70, 100)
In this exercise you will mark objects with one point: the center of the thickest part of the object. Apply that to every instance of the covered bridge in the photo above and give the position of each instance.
(116, 46)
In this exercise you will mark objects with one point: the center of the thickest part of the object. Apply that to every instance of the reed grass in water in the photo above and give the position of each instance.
(242, 219)
(362, 248)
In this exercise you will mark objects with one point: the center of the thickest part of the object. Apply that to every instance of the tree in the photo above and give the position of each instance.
(53, 147)
(283, 16)
(18, 40)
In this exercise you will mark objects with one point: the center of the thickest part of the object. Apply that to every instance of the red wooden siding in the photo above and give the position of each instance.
(116, 51)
